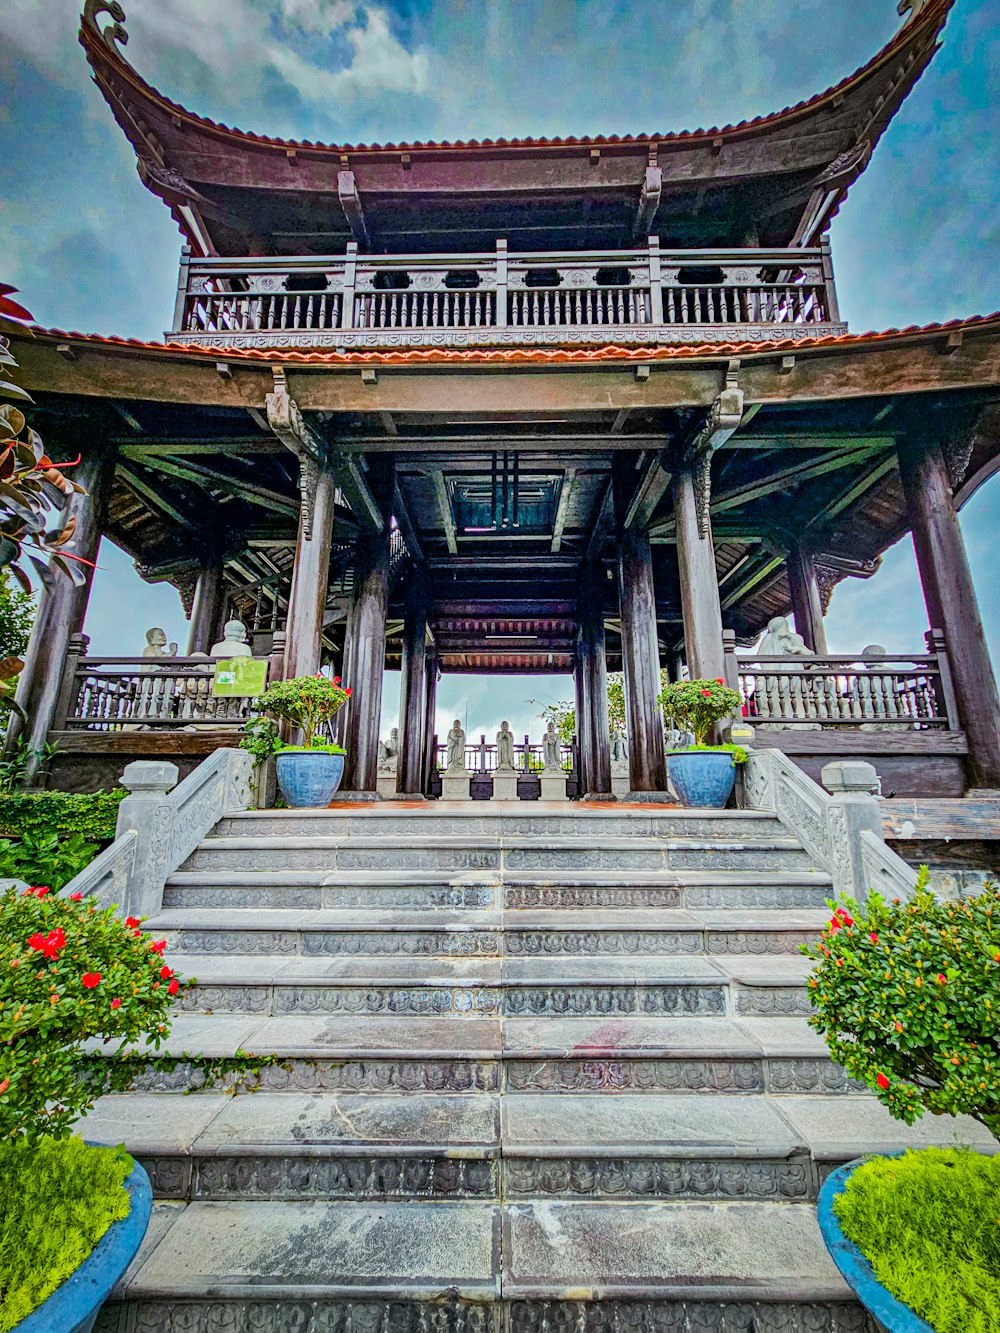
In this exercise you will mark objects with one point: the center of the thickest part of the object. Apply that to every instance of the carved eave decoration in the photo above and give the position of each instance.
(716, 426)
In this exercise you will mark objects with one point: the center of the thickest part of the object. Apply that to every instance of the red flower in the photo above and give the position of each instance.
(132, 921)
(36, 891)
(940, 978)
(707, 694)
(719, 680)
(882, 1081)
(348, 691)
(48, 945)
(843, 916)
(159, 946)
(174, 987)
(873, 937)
(336, 680)
(116, 1004)
(76, 897)
(91, 979)
(4, 1086)
(166, 972)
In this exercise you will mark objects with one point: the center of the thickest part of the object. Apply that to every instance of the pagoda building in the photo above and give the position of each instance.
(541, 405)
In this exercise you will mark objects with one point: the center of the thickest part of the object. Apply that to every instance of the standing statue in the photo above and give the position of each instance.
(456, 748)
(551, 750)
(388, 750)
(505, 748)
(157, 646)
(619, 750)
(782, 641)
(233, 642)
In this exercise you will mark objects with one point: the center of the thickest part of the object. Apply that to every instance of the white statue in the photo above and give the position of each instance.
(388, 750)
(456, 748)
(233, 642)
(157, 646)
(551, 750)
(782, 641)
(619, 749)
(505, 748)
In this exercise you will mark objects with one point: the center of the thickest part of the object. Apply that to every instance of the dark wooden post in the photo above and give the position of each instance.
(430, 714)
(413, 688)
(806, 605)
(595, 675)
(582, 707)
(62, 608)
(206, 612)
(367, 660)
(700, 604)
(641, 663)
(276, 662)
(952, 606)
(310, 575)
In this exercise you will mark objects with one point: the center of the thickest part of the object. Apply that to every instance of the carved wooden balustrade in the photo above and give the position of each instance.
(135, 693)
(893, 693)
(631, 296)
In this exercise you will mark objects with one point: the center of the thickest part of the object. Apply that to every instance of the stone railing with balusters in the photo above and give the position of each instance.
(641, 296)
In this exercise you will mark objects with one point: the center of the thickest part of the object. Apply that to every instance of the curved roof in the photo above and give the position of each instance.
(780, 176)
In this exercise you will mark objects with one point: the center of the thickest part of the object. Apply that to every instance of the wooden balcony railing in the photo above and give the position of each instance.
(635, 296)
(147, 694)
(481, 759)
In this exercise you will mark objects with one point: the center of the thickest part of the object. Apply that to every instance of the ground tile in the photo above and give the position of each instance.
(373, 1037)
(148, 1123)
(162, 1218)
(583, 1038)
(834, 1134)
(784, 1036)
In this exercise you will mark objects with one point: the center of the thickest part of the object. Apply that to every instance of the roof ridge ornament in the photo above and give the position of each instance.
(911, 7)
(114, 32)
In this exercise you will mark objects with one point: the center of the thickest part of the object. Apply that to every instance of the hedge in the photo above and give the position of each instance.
(60, 812)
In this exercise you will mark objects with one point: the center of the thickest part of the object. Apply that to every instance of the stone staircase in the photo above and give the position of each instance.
(541, 1069)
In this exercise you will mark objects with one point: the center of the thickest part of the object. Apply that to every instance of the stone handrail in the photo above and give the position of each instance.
(158, 828)
(841, 827)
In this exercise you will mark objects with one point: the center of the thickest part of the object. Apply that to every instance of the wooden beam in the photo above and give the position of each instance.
(621, 416)
(653, 485)
(350, 202)
(245, 490)
(830, 440)
(649, 201)
(155, 498)
(751, 579)
(790, 476)
(406, 525)
(854, 492)
(237, 444)
(565, 492)
(357, 492)
(444, 510)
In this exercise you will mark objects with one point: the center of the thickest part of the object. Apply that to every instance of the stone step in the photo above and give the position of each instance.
(442, 1266)
(349, 933)
(413, 852)
(405, 891)
(529, 820)
(475, 1053)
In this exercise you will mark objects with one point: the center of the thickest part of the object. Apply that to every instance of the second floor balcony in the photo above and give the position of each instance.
(631, 297)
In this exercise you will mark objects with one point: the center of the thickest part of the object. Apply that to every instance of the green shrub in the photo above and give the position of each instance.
(45, 858)
(58, 1201)
(907, 995)
(929, 1224)
(305, 702)
(697, 705)
(61, 812)
(70, 972)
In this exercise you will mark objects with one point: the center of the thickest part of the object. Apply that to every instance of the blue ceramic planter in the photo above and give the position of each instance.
(889, 1314)
(73, 1307)
(702, 778)
(309, 777)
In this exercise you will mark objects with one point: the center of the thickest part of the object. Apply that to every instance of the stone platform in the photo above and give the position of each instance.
(543, 1067)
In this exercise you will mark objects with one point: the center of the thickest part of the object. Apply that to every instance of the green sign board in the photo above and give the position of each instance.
(240, 677)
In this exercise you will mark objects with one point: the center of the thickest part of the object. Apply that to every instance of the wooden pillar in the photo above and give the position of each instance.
(806, 605)
(62, 607)
(430, 715)
(582, 710)
(310, 575)
(700, 603)
(641, 663)
(952, 605)
(206, 613)
(413, 688)
(595, 675)
(367, 662)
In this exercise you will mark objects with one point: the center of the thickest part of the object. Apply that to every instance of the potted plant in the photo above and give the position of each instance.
(73, 1214)
(308, 773)
(702, 774)
(907, 995)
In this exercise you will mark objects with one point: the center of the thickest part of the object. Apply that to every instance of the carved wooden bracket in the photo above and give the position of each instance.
(720, 421)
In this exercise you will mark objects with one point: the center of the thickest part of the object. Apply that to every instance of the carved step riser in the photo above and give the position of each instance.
(476, 1001)
(484, 944)
(453, 860)
(725, 826)
(415, 898)
(601, 1073)
(276, 1177)
(399, 1311)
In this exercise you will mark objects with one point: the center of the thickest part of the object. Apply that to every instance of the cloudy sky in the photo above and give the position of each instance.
(90, 249)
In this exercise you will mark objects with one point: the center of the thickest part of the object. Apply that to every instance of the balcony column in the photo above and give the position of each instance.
(206, 612)
(950, 597)
(430, 715)
(311, 572)
(641, 662)
(367, 662)
(806, 605)
(595, 676)
(62, 608)
(700, 603)
(413, 688)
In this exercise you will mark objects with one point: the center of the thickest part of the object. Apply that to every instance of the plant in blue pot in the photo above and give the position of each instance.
(907, 995)
(308, 773)
(703, 775)
(72, 1214)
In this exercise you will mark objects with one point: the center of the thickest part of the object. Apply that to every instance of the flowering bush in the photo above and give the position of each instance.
(305, 702)
(697, 705)
(907, 996)
(70, 971)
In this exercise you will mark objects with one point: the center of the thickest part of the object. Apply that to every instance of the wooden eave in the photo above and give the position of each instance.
(232, 191)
